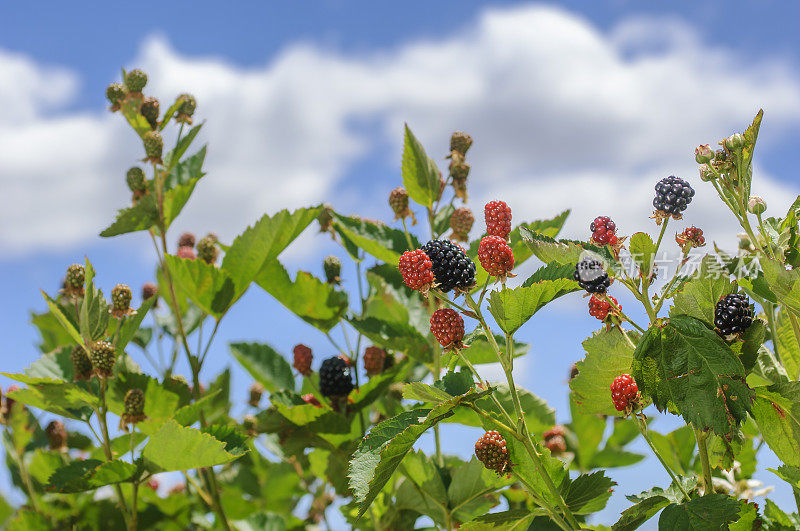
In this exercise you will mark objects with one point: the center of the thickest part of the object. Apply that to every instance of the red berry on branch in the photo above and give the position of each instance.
(447, 327)
(498, 219)
(374, 360)
(417, 270)
(601, 308)
(624, 392)
(491, 450)
(496, 256)
(302, 359)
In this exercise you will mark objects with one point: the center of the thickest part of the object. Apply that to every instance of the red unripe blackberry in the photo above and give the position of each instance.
(136, 180)
(447, 327)
(256, 391)
(207, 249)
(690, 236)
(152, 484)
(311, 400)
(374, 360)
(115, 93)
(733, 314)
(601, 308)
(417, 270)
(452, 268)
(135, 80)
(496, 256)
(590, 275)
(187, 108)
(121, 297)
(491, 450)
(134, 407)
(150, 111)
(604, 231)
(498, 219)
(153, 146)
(56, 434)
(461, 222)
(557, 445)
(624, 392)
(187, 239)
(460, 142)
(333, 269)
(149, 290)
(103, 356)
(302, 359)
(186, 252)
(335, 378)
(673, 195)
(81, 363)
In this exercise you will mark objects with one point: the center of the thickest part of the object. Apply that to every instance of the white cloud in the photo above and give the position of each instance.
(564, 115)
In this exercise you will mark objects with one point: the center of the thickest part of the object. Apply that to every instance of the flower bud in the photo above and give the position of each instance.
(735, 142)
(703, 154)
(706, 174)
(756, 205)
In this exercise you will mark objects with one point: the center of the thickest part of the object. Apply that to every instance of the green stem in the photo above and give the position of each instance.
(26, 479)
(702, 449)
(408, 236)
(541, 502)
(210, 339)
(764, 235)
(106, 440)
(643, 430)
(769, 309)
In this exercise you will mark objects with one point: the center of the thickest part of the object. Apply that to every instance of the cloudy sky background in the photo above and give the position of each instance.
(582, 105)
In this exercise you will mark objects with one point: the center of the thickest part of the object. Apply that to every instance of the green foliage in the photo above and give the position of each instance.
(176, 447)
(264, 364)
(420, 174)
(512, 308)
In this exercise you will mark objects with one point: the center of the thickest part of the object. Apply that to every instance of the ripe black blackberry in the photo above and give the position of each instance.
(673, 195)
(334, 378)
(733, 314)
(590, 275)
(452, 268)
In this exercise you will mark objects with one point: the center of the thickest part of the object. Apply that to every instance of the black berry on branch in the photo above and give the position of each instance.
(448, 328)
(452, 268)
(498, 219)
(461, 223)
(604, 231)
(302, 359)
(333, 270)
(417, 270)
(733, 314)
(103, 356)
(335, 379)
(673, 195)
(590, 275)
(81, 363)
(491, 450)
(624, 393)
(374, 360)
(496, 256)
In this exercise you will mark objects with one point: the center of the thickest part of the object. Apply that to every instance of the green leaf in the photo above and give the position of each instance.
(94, 314)
(776, 410)
(455, 383)
(62, 398)
(680, 362)
(260, 244)
(425, 393)
(471, 489)
(710, 512)
(54, 334)
(551, 271)
(481, 350)
(394, 336)
(28, 520)
(141, 216)
(751, 341)
(420, 174)
(548, 250)
(512, 308)
(131, 325)
(176, 447)
(676, 447)
(315, 302)
(172, 158)
(441, 221)
(608, 354)
(790, 474)
(539, 416)
(750, 136)
(382, 450)
(391, 300)
(511, 520)
(650, 502)
(586, 434)
(208, 287)
(643, 252)
(588, 493)
(90, 474)
(129, 108)
(379, 240)
(264, 364)
(783, 283)
(787, 345)
(700, 294)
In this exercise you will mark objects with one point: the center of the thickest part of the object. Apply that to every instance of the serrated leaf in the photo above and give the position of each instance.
(512, 308)
(643, 252)
(315, 302)
(131, 325)
(481, 350)
(548, 250)
(172, 158)
(700, 294)
(94, 314)
(710, 512)
(384, 447)
(648, 503)
(511, 520)
(141, 216)
(539, 416)
(420, 174)
(681, 363)
(176, 447)
(751, 341)
(90, 474)
(471, 489)
(394, 336)
(776, 410)
(258, 245)
(786, 344)
(790, 474)
(264, 364)
(62, 398)
(210, 288)
(424, 393)
(608, 354)
(783, 283)
(551, 271)
(379, 240)
(588, 493)
(750, 136)
(69, 326)
(676, 447)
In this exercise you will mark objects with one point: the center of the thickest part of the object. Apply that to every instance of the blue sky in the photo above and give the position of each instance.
(577, 104)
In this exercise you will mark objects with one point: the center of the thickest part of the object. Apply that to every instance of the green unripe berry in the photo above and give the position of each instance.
(115, 93)
(150, 110)
(135, 80)
(333, 268)
(135, 179)
(75, 277)
(187, 108)
(81, 363)
(207, 249)
(103, 357)
(121, 297)
(134, 406)
(153, 146)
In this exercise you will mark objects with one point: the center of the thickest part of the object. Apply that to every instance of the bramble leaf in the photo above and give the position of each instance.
(420, 174)
(776, 410)
(264, 364)
(176, 447)
(511, 520)
(394, 336)
(548, 249)
(679, 362)
(94, 314)
(643, 252)
(380, 240)
(706, 513)
(210, 288)
(512, 308)
(91, 474)
(699, 295)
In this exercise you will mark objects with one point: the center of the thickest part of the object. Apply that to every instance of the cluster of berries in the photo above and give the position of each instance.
(335, 378)
(439, 263)
(207, 248)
